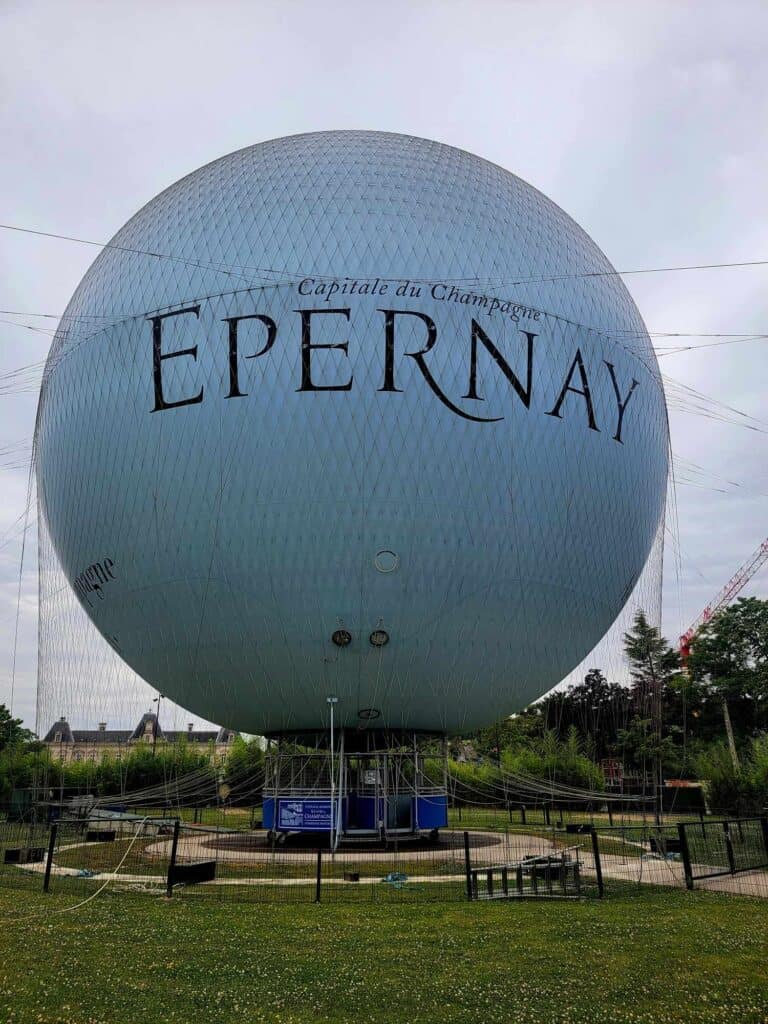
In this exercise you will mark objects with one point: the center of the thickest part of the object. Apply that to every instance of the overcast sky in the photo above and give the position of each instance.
(645, 121)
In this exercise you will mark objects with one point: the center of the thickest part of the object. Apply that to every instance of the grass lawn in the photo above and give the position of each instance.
(661, 957)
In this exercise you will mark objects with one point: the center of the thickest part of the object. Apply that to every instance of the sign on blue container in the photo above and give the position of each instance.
(309, 815)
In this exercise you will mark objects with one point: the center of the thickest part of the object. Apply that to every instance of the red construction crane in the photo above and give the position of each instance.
(726, 595)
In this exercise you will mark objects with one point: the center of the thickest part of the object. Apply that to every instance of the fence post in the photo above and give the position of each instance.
(49, 858)
(598, 864)
(764, 828)
(729, 848)
(467, 865)
(319, 875)
(172, 862)
(610, 816)
(546, 814)
(683, 833)
(522, 814)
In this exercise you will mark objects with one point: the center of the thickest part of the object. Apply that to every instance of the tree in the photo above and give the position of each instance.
(12, 731)
(653, 667)
(643, 744)
(512, 731)
(597, 708)
(729, 655)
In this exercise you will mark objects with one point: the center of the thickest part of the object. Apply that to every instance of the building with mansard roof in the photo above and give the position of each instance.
(67, 744)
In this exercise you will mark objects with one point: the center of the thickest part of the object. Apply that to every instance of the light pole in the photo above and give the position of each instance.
(332, 701)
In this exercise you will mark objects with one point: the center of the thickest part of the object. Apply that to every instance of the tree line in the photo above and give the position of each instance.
(703, 720)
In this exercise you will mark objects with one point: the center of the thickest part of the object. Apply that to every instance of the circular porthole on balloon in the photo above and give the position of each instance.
(368, 714)
(386, 561)
(341, 637)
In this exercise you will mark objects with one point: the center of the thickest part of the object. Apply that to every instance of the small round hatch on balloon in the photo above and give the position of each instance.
(368, 714)
(386, 561)
(379, 638)
(341, 637)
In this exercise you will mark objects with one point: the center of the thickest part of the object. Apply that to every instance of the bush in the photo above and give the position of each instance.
(547, 758)
(736, 792)
(556, 761)
(245, 761)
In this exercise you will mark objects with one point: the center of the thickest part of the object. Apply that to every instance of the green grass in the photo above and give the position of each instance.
(499, 818)
(105, 857)
(660, 958)
(221, 817)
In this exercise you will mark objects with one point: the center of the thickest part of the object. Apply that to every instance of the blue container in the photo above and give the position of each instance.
(313, 814)
(431, 812)
(363, 813)
(268, 812)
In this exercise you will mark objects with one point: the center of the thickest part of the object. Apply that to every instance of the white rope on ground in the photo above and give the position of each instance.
(110, 878)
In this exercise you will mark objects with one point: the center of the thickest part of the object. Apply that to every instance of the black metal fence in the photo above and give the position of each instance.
(180, 859)
(487, 858)
(724, 849)
(635, 855)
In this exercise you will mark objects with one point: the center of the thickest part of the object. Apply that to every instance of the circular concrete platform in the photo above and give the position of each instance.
(257, 848)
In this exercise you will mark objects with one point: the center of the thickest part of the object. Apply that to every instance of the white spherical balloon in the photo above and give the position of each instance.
(352, 414)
